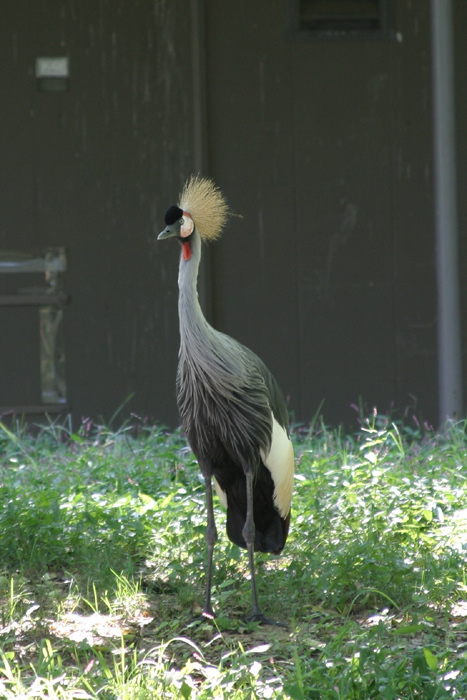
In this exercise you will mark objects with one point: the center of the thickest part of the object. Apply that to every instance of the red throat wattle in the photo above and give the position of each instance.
(186, 250)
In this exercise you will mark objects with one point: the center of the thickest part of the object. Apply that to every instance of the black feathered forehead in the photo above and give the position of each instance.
(173, 214)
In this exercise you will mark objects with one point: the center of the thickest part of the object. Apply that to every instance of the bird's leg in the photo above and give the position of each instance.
(248, 533)
(211, 539)
(249, 537)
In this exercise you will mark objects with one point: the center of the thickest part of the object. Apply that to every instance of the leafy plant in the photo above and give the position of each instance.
(102, 563)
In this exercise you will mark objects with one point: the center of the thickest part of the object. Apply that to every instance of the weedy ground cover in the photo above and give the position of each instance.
(102, 562)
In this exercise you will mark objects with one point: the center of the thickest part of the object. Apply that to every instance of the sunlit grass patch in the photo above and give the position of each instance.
(102, 570)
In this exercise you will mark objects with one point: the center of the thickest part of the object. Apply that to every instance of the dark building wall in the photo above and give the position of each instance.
(92, 168)
(324, 148)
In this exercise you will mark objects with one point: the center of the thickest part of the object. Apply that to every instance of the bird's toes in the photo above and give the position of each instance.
(263, 620)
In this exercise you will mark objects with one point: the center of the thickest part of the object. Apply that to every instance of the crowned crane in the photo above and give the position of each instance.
(231, 408)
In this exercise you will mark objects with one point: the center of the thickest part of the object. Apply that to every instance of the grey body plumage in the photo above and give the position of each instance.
(231, 408)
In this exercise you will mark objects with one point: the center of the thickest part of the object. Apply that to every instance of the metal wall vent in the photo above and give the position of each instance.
(342, 19)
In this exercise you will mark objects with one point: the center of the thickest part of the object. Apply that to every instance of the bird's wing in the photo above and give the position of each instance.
(276, 397)
(280, 462)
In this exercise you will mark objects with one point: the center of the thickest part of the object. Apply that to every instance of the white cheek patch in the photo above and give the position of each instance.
(186, 229)
(280, 462)
(220, 494)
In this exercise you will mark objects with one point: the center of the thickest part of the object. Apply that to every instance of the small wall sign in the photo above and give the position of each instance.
(52, 73)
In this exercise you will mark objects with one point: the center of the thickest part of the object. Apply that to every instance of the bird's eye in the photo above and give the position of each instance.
(182, 221)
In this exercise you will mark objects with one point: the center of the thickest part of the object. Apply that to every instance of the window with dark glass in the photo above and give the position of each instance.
(343, 19)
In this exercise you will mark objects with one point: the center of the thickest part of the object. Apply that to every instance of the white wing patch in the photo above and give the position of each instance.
(220, 494)
(280, 462)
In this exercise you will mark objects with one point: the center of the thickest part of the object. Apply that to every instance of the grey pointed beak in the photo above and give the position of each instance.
(168, 232)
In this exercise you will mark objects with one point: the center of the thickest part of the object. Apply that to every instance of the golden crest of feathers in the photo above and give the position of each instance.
(207, 206)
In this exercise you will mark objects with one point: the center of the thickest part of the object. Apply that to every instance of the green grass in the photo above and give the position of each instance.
(102, 562)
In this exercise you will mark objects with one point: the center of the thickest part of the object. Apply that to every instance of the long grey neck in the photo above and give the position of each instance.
(212, 357)
(192, 321)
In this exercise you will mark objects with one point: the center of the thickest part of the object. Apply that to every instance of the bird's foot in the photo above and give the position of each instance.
(200, 618)
(263, 620)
